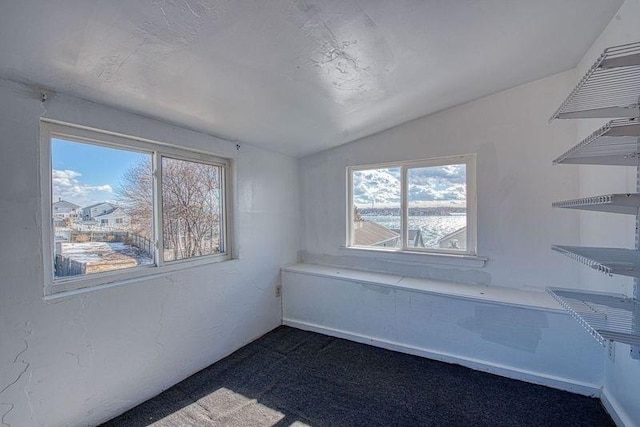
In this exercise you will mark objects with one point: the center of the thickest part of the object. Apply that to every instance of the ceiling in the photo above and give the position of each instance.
(293, 76)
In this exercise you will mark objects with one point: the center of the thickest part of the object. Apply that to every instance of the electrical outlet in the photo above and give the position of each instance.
(278, 291)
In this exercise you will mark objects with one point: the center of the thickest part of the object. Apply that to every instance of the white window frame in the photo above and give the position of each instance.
(49, 130)
(469, 160)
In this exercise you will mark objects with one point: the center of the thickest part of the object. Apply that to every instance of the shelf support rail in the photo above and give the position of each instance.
(635, 350)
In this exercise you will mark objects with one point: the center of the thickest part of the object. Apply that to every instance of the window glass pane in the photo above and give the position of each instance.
(377, 201)
(437, 203)
(192, 218)
(101, 208)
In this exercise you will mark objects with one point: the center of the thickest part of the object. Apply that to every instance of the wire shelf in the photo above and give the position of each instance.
(625, 262)
(611, 87)
(605, 316)
(615, 143)
(613, 203)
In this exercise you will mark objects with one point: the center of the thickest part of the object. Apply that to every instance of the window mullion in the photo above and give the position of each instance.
(350, 207)
(222, 211)
(404, 228)
(157, 208)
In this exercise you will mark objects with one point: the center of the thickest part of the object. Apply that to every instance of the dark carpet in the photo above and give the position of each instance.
(293, 377)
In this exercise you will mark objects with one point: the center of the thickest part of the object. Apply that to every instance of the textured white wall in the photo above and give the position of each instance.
(81, 360)
(516, 185)
(622, 375)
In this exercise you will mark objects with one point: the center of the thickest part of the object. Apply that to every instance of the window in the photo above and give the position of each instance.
(423, 206)
(143, 207)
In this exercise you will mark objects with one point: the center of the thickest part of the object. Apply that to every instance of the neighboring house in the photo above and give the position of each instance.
(105, 214)
(415, 238)
(114, 218)
(454, 240)
(90, 212)
(63, 209)
(64, 212)
(367, 233)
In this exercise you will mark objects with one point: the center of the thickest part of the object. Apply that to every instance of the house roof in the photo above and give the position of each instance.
(367, 233)
(109, 212)
(97, 204)
(63, 203)
(454, 234)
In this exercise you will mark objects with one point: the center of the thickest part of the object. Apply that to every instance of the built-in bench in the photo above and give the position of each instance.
(494, 294)
(521, 334)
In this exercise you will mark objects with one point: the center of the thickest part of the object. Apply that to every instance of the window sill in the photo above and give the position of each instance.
(94, 282)
(460, 260)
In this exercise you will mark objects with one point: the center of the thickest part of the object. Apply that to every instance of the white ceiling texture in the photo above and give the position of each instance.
(294, 76)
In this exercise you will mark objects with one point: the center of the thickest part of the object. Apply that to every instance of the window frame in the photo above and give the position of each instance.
(50, 129)
(469, 160)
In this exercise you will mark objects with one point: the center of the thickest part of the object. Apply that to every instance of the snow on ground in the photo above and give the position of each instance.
(93, 253)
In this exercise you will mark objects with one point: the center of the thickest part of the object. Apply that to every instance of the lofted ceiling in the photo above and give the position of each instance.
(293, 76)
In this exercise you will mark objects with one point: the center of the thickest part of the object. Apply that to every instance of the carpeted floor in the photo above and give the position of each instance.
(292, 377)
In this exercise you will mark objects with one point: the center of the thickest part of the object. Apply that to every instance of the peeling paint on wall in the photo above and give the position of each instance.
(18, 372)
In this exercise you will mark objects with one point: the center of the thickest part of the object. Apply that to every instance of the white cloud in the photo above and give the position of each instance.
(377, 188)
(428, 185)
(67, 185)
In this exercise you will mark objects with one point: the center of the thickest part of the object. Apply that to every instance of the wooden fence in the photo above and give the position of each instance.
(67, 267)
(76, 236)
(140, 242)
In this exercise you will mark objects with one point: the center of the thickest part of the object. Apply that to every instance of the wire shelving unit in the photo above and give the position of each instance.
(615, 143)
(605, 316)
(610, 89)
(613, 203)
(625, 262)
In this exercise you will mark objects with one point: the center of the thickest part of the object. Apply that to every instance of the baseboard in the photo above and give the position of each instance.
(615, 410)
(585, 389)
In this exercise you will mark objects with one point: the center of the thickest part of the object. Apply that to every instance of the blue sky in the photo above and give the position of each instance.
(85, 174)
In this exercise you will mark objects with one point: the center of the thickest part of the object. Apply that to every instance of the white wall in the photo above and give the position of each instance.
(517, 183)
(81, 360)
(515, 145)
(516, 226)
(622, 376)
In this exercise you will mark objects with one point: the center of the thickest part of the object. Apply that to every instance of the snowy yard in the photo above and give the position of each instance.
(105, 256)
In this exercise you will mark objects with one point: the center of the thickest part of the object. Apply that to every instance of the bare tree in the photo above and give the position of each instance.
(135, 194)
(191, 206)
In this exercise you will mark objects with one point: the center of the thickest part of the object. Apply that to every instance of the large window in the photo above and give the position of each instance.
(118, 208)
(426, 205)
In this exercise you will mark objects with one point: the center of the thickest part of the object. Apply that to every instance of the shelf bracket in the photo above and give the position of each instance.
(635, 350)
(611, 350)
